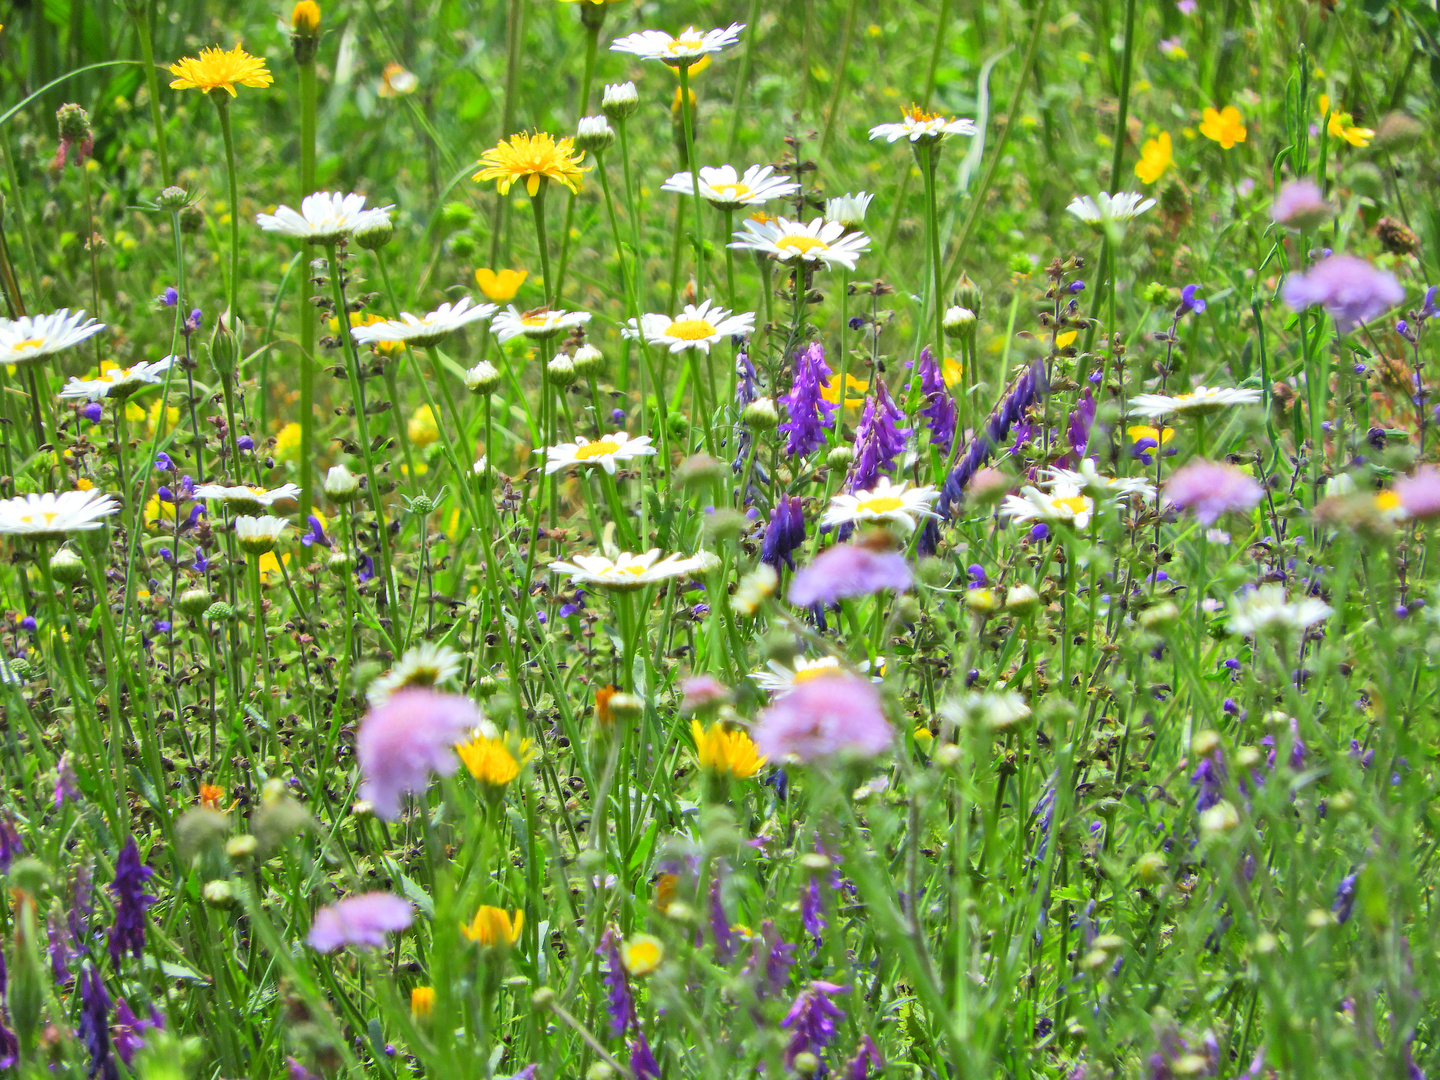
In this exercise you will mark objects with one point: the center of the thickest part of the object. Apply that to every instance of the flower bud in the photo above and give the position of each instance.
(219, 612)
(967, 294)
(241, 848)
(225, 346)
(840, 458)
(959, 322)
(482, 378)
(761, 415)
(338, 563)
(542, 998)
(1022, 599)
(982, 601)
(341, 485)
(1222, 817)
(422, 505)
(192, 219)
(700, 469)
(588, 360)
(375, 235)
(620, 100)
(456, 215)
(66, 566)
(599, 1070)
(172, 198)
(193, 602)
(305, 18)
(74, 123)
(218, 893)
(562, 371)
(594, 134)
(626, 706)
(1150, 868)
(806, 1064)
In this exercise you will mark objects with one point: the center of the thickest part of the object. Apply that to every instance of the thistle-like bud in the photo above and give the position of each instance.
(422, 505)
(66, 567)
(761, 415)
(74, 123)
(967, 294)
(588, 360)
(341, 485)
(241, 848)
(620, 100)
(172, 198)
(193, 602)
(562, 371)
(594, 134)
(374, 236)
(219, 612)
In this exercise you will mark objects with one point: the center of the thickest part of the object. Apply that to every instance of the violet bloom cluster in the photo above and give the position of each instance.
(811, 1020)
(1212, 488)
(849, 570)
(771, 959)
(359, 922)
(131, 902)
(785, 533)
(95, 1024)
(878, 440)
(1028, 389)
(10, 844)
(130, 1030)
(824, 718)
(1077, 431)
(940, 411)
(1419, 494)
(810, 415)
(1350, 289)
(403, 741)
(619, 1001)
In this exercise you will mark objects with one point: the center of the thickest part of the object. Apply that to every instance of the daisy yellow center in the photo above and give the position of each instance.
(801, 245)
(42, 517)
(257, 491)
(1076, 504)
(820, 672)
(680, 45)
(882, 504)
(690, 329)
(919, 115)
(595, 449)
(29, 343)
(423, 676)
(634, 569)
(534, 320)
(1387, 501)
(735, 191)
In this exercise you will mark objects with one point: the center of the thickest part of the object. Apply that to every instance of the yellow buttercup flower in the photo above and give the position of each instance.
(423, 429)
(1155, 158)
(494, 762)
(1341, 126)
(1224, 127)
(367, 318)
(830, 391)
(951, 371)
(1066, 339)
(287, 443)
(216, 69)
(1145, 431)
(494, 926)
(305, 19)
(500, 285)
(172, 417)
(642, 954)
(422, 1002)
(725, 752)
(532, 158)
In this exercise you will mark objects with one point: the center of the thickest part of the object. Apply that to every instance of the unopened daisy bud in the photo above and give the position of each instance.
(594, 134)
(626, 706)
(193, 602)
(1021, 599)
(172, 198)
(588, 360)
(375, 235)
(806, 1064)
(761, 415)
(66, 566)
(839, 458)
(1160, 616)
(1150, 868)
(74, 123)
(967, 294)
(542, 999)
(241, 848)
(1222, 817)
(481, 466)
(982, 601)
(724, 524)
(959, 321)
(219, 612)
(562, 370)
(257, 535)
(338, 563)
(620, 100)
(341, 485)
(218, 893)
(482, 378)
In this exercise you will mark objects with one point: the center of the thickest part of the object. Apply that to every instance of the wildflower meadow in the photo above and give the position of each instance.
(588, 539)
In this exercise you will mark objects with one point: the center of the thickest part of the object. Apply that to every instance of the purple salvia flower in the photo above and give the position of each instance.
(878, 440)
(1028, 389)
(170, 297)
(360, 922)
(1209, 778)
(642, 1058)
(940, 411)
(1344, 904)
(809, 413)
(95, 1023)
(618, 999)
(316, 535)
(811, 1020)
(130, 1030)
(1190, 302)
(867, 1057)
(720, 925)
(785, 533)
(1349, 288)
(131, 903)
(93, 411)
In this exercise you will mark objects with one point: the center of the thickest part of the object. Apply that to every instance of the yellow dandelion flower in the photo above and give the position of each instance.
(423, 428)
(1224, 127)
(724, 752)
(494, 926)
(368, 318)
(305, 18)
(642, 954)
(1155, 158)
(216, 69)
(494, 762)
(422, 1002)
(500, 285)
(532, 158)
(287, 443)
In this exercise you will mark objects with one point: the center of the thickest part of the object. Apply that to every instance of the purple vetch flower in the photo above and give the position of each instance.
(867, 1057)
(1349, 288)
(808, 411)
(771, 961)
(720, 924)
(1301, 204)
(642, 1058)
(940, 411)
(1209, 779)
(822, 718)
(878, 440)
(618, 1000)
(811, 1020)
(1190, 302)
(95, 1023)
(360, 921)
(1077, 432)
(60, 949)
(1344, 905)
(812, 907)
(1210, 489)
(848, 570)
(402, 741)
(130, 1030)
(1419, 493)
(1027, 390)
(131, 903)
(295, 1069)
(366, 569)
(785, 533)
(527, 1073)
(67, 785)
(10, 844)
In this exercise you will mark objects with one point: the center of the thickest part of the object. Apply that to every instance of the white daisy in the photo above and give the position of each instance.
(325, 217)
(118, 382)
(247, 499)
(628, 571)
(781, 677)
(1201, 401)
(537, 324)
(848, 210)
(428, 329)
(1268, 606)
(258, 535)
(886, 501)
(1088, 478)
(52, 514)
(1105, 207)
(427, 664)
(694, 328)
(604, 452)
(789, 241)
(34, 337)
(724, 189)
(920, 126)
(680, 51)
(1063, 504)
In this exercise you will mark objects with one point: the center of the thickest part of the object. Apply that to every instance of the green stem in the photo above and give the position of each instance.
(152, 85)
(307, 310)
(223, 108)
(931, 166)
(688, 121)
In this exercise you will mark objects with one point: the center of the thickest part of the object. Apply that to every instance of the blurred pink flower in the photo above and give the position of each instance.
(823, 717)
(1210, 489)
(701, 692)
(406, 739)
(360, 921)
(1350, 289)
(1419, 494)
(1301, 205)
(849, 570)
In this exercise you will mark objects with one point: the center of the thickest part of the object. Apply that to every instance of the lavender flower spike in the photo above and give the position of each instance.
(95, 1024)
(618, 999)
(1028, 389)
(131, 903)
(809, 413)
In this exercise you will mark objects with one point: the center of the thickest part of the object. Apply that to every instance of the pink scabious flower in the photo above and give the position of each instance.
(847, 570)
(1419, 494)
(1300, 204)
(1350, 289)
(406, 739)
(359, 921)
(1210, 489)
(825, 717)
